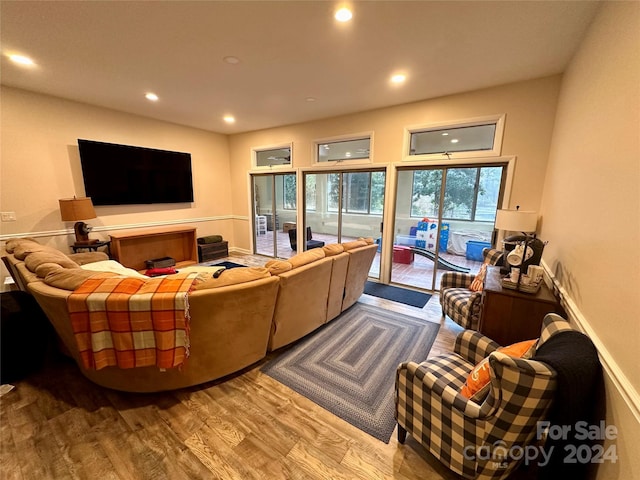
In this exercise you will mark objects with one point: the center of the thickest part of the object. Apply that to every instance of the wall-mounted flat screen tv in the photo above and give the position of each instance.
(126, 175)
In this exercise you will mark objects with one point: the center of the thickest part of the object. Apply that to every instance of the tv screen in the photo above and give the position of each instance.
(127, 175)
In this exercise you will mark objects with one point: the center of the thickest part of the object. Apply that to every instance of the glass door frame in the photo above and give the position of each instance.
(341, 170)
(274, 208)
(508, 162)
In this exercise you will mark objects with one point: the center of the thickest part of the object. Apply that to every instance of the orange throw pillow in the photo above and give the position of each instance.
(477, 385)
(478, 281)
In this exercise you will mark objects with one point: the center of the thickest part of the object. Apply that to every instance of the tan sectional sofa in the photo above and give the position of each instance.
(234, 319)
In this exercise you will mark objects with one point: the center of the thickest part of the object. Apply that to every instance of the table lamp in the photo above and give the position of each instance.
(77, 209)
(518, 221)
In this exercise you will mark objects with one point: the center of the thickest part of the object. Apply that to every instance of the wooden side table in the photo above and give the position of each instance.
(92, 247)
(508, 316)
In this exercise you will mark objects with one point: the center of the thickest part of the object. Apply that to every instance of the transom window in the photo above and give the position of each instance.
(344, 150)
(272, 156)
(475, 138)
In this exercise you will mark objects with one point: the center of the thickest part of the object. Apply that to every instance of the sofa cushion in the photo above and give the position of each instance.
(50, 255)
(46, 268)
(276, 267)
(354, 244)
(12, 243)
(307, 257)
(83, 258)
(234, 276)
(72, 278)
(333, 249)
(368, 240)
(24, 248)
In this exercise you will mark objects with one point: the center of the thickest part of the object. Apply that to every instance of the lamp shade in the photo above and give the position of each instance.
(516, 220)
(74, 209)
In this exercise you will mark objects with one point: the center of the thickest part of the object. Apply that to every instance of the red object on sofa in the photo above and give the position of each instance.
(402, 254)
(155, 272)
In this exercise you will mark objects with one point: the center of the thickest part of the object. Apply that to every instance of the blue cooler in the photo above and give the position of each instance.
(474, 250)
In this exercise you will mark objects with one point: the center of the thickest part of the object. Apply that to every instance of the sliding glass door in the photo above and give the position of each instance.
(341, 206)
(274, 212)
(444, 218)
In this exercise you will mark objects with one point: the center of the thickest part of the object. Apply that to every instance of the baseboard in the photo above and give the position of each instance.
(610, 366)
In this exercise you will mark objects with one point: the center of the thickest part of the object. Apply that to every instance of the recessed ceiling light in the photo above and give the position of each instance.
(151, 96)
(231, 60)
(398, 78)
(454, 140)
(444, 134)
(343, 15)
(22, 60)
(229, 119)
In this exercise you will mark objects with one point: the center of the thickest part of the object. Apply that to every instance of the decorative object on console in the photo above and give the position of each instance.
(77, 209)
(528, 248)
(163, 262)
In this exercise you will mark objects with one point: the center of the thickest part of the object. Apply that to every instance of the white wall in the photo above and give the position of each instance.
(591, 211)
(40, 164)
(529, 107)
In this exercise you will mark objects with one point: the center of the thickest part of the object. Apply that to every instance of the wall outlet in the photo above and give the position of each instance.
(8, 216)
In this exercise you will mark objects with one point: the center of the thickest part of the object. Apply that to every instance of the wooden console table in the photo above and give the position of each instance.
(133, 247)
(509, 316)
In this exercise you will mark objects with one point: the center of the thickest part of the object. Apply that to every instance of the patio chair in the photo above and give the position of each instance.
(311, 243)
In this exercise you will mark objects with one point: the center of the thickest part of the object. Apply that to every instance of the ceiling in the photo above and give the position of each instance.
(297, 63)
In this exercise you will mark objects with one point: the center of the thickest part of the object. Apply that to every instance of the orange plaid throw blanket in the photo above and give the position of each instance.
(131, 322)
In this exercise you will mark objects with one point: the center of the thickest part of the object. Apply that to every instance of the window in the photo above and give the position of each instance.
(363, 192)
(310, 191)
(289, 192)
(344, 150)
(474, 138)
(272, 157)
(471, 193)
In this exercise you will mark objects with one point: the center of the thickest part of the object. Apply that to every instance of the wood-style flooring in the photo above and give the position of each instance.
(57, 425)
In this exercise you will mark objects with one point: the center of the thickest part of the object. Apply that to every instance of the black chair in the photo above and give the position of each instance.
(311, 243)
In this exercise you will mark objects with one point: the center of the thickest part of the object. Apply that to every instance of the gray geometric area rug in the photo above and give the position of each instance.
(348, 367)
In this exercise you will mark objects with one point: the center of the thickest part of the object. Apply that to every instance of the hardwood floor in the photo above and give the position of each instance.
(58, 425)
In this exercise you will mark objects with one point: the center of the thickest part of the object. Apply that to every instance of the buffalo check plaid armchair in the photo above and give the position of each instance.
(458, 301)
(475, 439)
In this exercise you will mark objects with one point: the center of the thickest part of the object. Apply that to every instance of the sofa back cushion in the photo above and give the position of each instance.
(333, 249)
(72, 278)
(304, 258)
(276, 267)
(353, 245)
(48, 255)
(234, 276)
